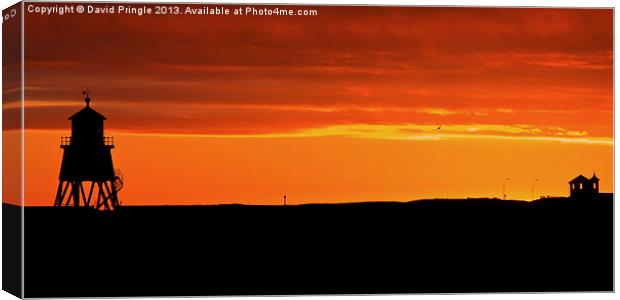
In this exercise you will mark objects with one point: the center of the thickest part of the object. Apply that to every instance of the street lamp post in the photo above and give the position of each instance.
(504, 189)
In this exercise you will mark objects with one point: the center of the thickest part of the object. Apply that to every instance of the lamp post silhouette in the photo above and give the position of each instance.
(87, 156)
(504, 188)
(533, 184)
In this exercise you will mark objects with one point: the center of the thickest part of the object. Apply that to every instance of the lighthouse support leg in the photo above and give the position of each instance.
(59, 194)
(83, 194)
(75, 188)
(71, 196)
(90, 193)
(100, 195)
(60, 198)
(109, 185)
(109, 196)
(105, 199)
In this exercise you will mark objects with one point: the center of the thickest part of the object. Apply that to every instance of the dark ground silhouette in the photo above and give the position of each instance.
(476, 245)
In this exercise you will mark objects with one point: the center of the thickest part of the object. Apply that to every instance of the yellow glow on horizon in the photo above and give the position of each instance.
(406, 132)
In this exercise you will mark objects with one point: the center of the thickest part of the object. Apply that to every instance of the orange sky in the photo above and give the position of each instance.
(343, 106)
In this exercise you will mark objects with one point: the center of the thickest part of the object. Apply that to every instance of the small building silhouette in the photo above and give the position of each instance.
(584, 188)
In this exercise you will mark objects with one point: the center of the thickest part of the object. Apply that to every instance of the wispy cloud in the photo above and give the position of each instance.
(413, 132)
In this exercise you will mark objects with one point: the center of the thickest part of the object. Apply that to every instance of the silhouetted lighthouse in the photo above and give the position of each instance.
(87, 157)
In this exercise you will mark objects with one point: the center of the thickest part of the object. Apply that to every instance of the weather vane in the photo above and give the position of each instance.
(86, 94)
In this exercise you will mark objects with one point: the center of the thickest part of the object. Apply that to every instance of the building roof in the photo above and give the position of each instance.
(594, 178)
(579, 179)
(87, 113)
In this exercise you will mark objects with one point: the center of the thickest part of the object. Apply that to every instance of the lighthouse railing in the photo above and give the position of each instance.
(108, 140)
(65, 141)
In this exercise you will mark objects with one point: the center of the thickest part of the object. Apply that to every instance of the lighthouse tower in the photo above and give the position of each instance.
(87, 158)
